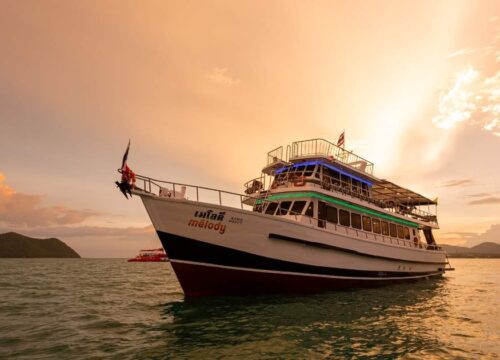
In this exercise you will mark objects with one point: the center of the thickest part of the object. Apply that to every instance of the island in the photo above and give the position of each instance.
(14, 245)
(483, 250)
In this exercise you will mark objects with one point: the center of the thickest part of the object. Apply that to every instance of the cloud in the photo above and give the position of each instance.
(490, 235)
(18, 209)
(478, 195)
(220, 76)
(472, 97)
(462, 182)
(470, 238)
(485, 201)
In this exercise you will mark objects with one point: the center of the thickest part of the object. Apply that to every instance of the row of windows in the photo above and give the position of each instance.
(286, 208)
(327, 213)
(331, 214)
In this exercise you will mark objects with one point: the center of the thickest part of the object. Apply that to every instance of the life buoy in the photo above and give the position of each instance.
(299, 181)
(415, 240)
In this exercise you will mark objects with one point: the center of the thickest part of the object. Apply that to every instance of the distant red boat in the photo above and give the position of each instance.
(153, 255)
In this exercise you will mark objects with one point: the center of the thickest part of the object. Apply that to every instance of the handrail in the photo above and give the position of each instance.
(175, 190)
(275, 155)
(326, 148)
(147, 182)
(339, 186)
(406, 242)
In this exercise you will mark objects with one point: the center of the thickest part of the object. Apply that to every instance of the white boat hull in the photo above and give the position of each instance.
(244, 252)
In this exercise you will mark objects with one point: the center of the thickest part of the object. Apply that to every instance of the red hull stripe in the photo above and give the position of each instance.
(209, 280)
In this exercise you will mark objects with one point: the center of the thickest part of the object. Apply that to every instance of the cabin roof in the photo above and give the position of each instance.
(384, 190)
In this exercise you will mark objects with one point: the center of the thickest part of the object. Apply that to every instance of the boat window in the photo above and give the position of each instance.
(331, 214)
(385, 228)
(284, 206)
(394, 231)
(321, 214)
(364, 189)
(345, 181)
(356, 221)
(309, 170)
(271, 208)
(376, 226)
(310, 209)
(258, 208)
(297, 207)
(407, 233)
(355, 185)
(414, 233)
(367, 223)
(401, 233)
(344, 218)
(300, 169)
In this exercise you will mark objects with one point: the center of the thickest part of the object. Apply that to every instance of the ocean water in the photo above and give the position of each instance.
(111, 309)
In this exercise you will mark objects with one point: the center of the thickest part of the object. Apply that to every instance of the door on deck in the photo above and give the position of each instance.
(429, 237)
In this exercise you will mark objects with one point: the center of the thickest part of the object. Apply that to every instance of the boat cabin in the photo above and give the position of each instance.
(326, 186)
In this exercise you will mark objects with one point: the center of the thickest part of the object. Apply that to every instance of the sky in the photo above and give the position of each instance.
(205, 89)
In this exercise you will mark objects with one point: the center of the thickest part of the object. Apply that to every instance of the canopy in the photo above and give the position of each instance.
(387, 191)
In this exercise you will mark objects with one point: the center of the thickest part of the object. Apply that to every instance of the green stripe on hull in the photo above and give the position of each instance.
(338, 202)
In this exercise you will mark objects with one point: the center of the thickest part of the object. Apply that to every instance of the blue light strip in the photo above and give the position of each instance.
(279, 171)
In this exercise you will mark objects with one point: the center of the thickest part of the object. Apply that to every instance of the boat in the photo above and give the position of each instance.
(315, 220)
(152, 255)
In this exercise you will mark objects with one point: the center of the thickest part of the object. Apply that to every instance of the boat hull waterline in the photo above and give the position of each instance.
(219, 250)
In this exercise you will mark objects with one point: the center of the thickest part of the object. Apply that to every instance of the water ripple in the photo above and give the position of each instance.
(81, 308)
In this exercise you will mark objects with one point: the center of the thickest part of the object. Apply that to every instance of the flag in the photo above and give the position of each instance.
(125, 156)
(341, 140)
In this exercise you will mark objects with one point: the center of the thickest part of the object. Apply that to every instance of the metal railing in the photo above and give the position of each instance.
(255, 185)
(322, 147)
(171, 189)
(368, 235)
(176, 190)
(275, 155)
(338, 185)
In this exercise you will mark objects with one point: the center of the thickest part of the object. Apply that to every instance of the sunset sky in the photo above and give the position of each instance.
(205, 89)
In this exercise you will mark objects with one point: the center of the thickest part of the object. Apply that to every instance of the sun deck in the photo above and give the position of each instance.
(314, 149)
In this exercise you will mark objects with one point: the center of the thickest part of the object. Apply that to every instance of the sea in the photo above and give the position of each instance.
(112, 309)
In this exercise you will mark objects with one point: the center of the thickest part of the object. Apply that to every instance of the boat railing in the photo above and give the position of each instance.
(338, 185)
(316, 222)
(275, 156)
(170, 189)
(324, 148)
(255, 185)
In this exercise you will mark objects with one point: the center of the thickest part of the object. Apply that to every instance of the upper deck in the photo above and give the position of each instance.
(315, 149)
(326, 166)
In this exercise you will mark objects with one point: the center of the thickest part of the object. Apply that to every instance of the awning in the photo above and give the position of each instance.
(389, 192)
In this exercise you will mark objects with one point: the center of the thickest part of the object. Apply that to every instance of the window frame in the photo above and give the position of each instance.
(343, 216)
(355, 224)
(392, 227)
(369, 227)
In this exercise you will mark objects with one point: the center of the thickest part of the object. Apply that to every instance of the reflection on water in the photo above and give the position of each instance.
(342, 324)
(110, 308)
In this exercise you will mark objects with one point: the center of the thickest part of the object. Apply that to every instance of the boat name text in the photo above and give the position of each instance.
(209, 214)
(205, 224)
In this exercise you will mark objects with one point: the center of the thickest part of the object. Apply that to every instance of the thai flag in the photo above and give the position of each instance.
(341, 140)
